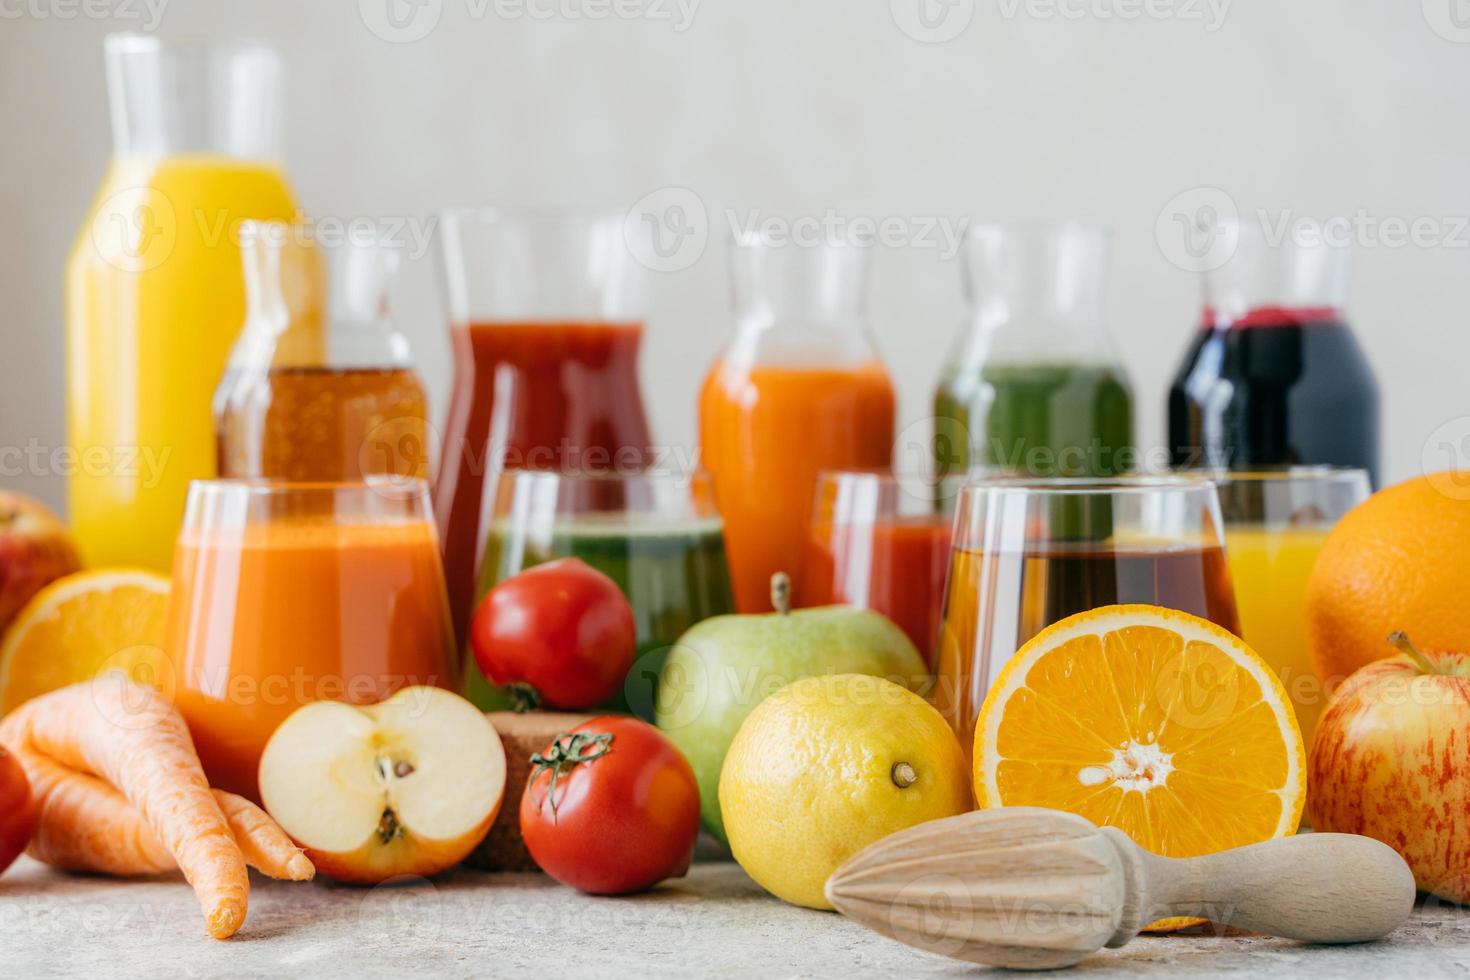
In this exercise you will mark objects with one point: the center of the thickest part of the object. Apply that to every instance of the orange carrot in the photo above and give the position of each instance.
(264, 844)
(86, 825)
(83, 824)
(131, 737)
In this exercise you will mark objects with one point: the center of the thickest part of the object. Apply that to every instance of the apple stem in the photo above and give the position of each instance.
(903, 775)
(523, 697)
(1401, 642)
(781, 593)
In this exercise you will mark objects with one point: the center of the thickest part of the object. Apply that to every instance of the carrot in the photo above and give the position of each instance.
(86, 825)
(131, 737)
(264, 844)
(83, 824)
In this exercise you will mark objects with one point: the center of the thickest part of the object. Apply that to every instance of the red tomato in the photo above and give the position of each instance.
(17, 809)
(560, 635)
(621, 813)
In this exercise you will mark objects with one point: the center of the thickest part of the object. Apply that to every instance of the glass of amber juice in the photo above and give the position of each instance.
(286, 593)
(1030, 552)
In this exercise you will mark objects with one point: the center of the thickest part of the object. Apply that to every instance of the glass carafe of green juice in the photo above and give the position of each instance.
(1033, 383)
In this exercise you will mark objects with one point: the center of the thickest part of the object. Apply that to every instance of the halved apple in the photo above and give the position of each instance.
(408, 786)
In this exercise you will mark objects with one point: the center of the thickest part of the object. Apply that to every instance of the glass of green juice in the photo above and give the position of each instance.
(657, 535)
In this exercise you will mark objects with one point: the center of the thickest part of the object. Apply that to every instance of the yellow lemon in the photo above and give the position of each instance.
(81, 625)
(828, 765)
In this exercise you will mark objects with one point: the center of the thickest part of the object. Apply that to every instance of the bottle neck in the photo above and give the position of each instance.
(1035, 293)
(799, 304)
(168, 99)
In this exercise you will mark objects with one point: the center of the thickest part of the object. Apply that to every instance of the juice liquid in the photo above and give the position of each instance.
(1270, 567)
(1043, 419)
(539, 395)
(1275, 387)
(265, 619)
(765, 434)
(319, 424)
(896, 566)
(154, 300)
(997, 601)
(674, 574)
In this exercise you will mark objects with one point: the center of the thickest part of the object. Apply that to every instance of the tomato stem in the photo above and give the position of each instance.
(523, 697)
(566, 752)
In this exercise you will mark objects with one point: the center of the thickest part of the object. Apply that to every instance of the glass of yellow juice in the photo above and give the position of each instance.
(1275, 524)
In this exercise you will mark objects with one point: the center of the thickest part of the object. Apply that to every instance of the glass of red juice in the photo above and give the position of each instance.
(881, 542)
(546, 321)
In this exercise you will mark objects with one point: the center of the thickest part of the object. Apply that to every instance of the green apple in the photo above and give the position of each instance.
(720, 669)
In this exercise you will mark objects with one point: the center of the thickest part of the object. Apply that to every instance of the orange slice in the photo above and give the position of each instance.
(1150, 720)
(81, 625)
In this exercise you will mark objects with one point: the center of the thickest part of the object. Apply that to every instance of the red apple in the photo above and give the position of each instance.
(1391, 760)
(408, 786)
(17, 809)
(35, 549)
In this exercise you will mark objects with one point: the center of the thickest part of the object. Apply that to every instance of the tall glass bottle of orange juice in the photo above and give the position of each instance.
(154, 288)
(799, 389)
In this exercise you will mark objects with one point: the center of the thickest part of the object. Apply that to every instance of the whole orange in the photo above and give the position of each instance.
(1398, 561)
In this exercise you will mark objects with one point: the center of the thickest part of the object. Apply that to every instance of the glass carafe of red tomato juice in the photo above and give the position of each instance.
(799, 389)
(546, 320)
(1275, 376)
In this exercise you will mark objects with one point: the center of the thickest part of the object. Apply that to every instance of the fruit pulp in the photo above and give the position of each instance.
(155, 298)
(765, 434)
(1275, 387)
(674, 574)
(896, 566)
(995, 602)
(1270, 568)
(320, 424)
(1052, 419)
(532, 395)
(275, 615)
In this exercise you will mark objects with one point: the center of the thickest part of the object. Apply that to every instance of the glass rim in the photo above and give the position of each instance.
(140, 42)
(532, 214)
(264, 487)
(1080, 486)
(607, 476)
(1277, 476)
(361, 232)
(1038, 227)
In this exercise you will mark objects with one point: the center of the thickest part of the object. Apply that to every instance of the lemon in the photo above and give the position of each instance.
(828, 765)
(81, 625)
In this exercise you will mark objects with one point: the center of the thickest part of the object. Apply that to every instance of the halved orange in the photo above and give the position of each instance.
(1150, 720)
(81, 625)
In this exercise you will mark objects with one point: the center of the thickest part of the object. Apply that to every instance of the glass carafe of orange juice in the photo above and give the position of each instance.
(799, 389)
(154, 291)
(320, 386)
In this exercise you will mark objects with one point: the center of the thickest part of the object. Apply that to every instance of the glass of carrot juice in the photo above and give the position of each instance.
(286, 593)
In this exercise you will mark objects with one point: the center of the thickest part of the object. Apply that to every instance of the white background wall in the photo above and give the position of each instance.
(795, 106)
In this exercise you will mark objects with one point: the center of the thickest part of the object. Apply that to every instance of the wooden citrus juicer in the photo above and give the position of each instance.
(1035, 889)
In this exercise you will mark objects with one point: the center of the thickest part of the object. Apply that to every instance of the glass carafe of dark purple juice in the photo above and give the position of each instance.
(1275, 376)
